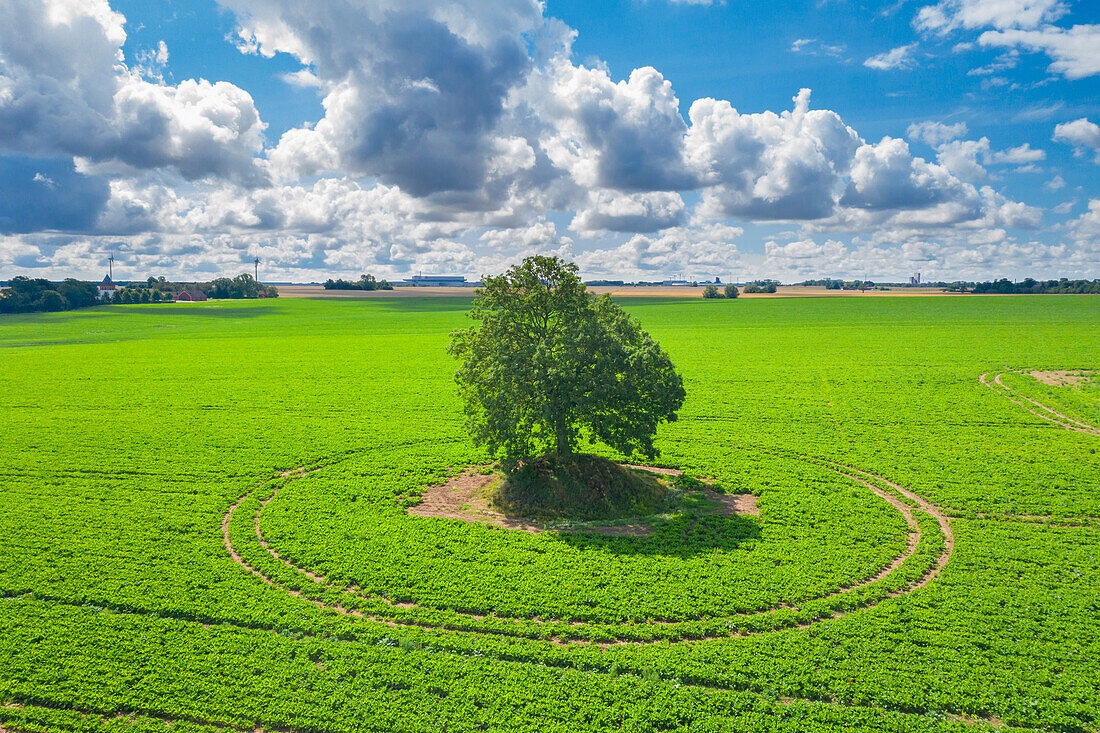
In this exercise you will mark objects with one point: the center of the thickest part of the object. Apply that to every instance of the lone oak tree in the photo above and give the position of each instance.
(549, 361)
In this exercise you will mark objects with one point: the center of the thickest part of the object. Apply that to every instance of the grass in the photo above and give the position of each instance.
(130, 431)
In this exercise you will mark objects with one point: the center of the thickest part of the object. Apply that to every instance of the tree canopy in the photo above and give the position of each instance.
(548, 364)
(25, 295)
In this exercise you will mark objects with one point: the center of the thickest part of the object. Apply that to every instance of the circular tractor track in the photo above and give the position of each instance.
(902, 500)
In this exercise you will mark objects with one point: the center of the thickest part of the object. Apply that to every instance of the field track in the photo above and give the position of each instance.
(902, 499)
(882, 487)
(1035, 408)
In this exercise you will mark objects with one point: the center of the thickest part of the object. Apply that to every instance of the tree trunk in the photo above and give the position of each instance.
(562, 448)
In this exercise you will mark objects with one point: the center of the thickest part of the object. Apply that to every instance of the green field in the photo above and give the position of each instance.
(203, 527)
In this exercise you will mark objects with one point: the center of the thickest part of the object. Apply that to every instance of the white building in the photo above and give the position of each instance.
(437, 281)
(107, 287)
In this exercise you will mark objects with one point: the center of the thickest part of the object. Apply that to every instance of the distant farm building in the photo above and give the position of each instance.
(106, 287)
(191, 296)
(437, 281)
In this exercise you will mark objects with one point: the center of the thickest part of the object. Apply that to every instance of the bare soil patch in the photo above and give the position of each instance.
(1062, 378)
(465, 497)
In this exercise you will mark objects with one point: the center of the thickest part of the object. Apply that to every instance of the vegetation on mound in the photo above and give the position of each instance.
(584, 487)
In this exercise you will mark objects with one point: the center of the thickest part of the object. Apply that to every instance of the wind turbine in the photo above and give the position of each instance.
(256, 262)
(111, 267)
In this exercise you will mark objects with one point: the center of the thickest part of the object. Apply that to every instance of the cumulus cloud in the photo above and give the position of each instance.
(626, 135)
(636, 212)
(451, 131)
(65, 90)
(967, 158)
(982, 254)
(767, 166)
(413, 93)
(896, 58)
(1083, 135)
(1086, 228)
(964, 158)
(886, 176)
(696, 247)
(935, 133)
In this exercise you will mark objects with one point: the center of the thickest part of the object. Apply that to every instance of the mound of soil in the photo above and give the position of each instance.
(582, 487)
(473, 496)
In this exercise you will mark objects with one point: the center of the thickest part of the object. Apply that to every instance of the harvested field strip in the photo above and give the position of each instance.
(829, 606)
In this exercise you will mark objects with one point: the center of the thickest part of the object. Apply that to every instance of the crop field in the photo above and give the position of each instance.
(204, 527)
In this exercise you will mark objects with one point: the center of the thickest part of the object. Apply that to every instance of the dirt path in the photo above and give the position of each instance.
(1034, 407)
(867, 479)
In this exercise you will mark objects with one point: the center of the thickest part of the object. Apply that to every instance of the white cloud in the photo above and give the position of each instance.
(626, 135)
(961, 157)
(636, 212)
(1086, 228)
(966, 158)
(816, 48)
(949, 15)
(414, 95)
(1019, 155)
(1019, 24)
(1081, 134)
(450, 134)
(896, 58)
(1075, 51)
(1055, 183)
(65, 89)
(699, 247)
(981, 255)
(935, 133)
(886, 176)
(1004, 62)
(767, 166)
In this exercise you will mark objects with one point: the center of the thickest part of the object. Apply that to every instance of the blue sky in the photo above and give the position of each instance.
(641, 139)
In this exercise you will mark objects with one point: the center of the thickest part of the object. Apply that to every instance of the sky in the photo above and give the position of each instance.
(642, 139)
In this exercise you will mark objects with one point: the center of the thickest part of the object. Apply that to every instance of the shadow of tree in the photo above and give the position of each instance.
(684, 536)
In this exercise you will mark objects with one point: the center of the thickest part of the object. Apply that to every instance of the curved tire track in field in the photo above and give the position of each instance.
(865, 478)
(1034, 407)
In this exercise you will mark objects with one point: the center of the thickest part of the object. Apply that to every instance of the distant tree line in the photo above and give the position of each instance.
(711, 291)
(241, 286)
(159, 289)
(831, 284)
(26, 295)
(605, 283)
(1028, 285)
(365, 282)
(767, 286)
